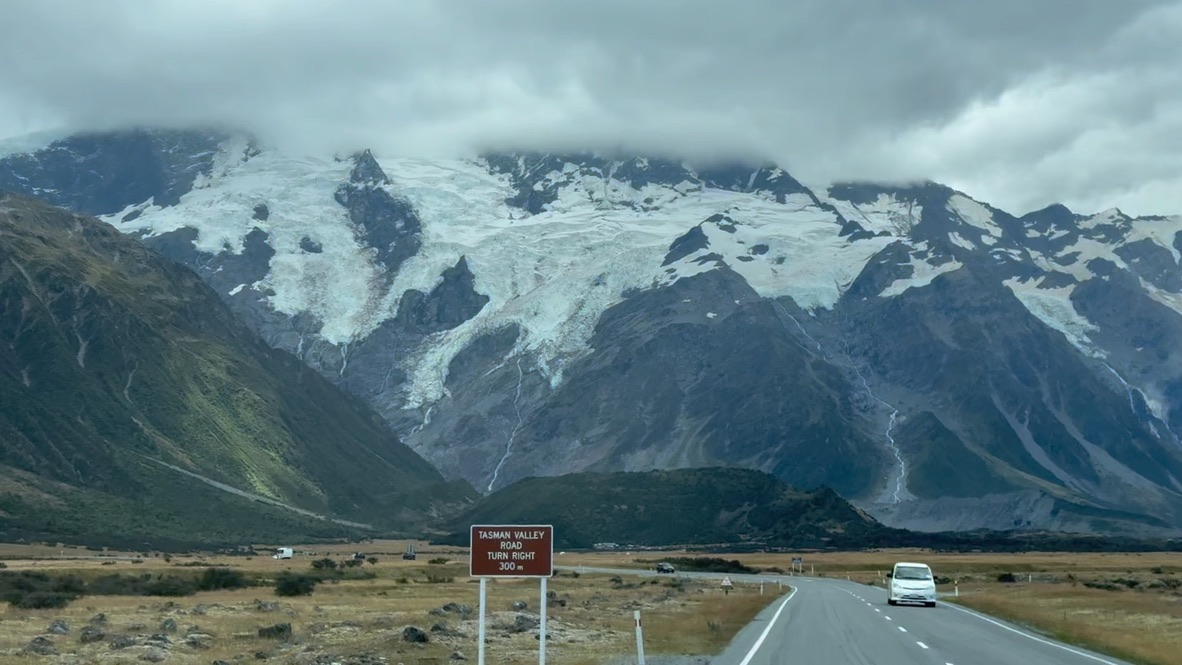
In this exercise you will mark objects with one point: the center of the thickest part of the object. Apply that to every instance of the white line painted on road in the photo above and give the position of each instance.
(768, 629)
(875, 609)
(1032, 637)
(922, 645)
(902, 629)
(887, 618)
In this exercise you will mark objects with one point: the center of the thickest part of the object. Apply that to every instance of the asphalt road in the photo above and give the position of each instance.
(835, 622)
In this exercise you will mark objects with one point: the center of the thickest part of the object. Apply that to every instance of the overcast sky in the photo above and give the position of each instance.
(1017, 102)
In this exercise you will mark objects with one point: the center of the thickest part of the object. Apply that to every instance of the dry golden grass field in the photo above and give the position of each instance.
(1128, 605)
(358, 622)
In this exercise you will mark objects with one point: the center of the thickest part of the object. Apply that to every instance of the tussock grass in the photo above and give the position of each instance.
(1141, 627)
(590, 616)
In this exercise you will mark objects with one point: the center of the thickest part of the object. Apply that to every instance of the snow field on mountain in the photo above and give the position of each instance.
(1054, 308)
(341, 285)
(922, 275)
(974, 214)
(553, 274)
(806, 259)
(884, 214)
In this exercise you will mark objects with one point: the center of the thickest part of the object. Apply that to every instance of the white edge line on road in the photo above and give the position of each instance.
(768, 629)
(1029, 636)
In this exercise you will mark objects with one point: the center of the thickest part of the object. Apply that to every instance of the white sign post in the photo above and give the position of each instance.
(542, 627)
(480, 623)
(726, 585)
(507, 550)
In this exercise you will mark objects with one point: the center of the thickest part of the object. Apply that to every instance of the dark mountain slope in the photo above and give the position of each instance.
(683, 507)
(117, 362)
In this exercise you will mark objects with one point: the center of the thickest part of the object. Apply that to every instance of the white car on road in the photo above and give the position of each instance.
(911, 583)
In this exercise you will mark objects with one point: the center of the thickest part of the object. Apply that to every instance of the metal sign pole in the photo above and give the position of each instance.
(480, 623)
(542, 627)
(639, 639)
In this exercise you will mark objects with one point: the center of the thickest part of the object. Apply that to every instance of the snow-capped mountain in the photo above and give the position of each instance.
(941, 362)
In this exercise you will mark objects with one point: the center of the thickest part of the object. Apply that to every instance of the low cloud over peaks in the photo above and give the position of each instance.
(1016, 102)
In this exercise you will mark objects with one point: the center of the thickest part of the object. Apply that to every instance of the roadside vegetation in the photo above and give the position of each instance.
(328, 606)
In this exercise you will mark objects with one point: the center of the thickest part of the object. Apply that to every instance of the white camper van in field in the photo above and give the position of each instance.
(911, 583)
(282, 553)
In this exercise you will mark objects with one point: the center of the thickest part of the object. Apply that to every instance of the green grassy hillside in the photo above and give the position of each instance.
(115, 362)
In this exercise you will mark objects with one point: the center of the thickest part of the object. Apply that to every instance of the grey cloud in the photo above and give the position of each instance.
(1018, 101)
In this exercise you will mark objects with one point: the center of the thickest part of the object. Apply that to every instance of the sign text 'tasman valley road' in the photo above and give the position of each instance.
(507, 550)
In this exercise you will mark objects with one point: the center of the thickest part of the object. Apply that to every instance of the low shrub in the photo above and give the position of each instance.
(292, 584)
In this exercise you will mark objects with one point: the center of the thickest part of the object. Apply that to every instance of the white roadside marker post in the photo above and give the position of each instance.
(639, 639)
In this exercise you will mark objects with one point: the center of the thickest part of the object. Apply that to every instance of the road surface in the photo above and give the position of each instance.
(835, 622)
(845, 623)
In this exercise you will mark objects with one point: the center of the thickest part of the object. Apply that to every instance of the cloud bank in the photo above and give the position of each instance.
(1016, 102)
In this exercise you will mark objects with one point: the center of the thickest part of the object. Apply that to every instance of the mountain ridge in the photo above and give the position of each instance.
(877, 306)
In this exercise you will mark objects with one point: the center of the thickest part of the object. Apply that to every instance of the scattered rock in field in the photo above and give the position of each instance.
(220, 662)
(59, 627)
(280, 631)
(524, 622)
(159, 640)
(154, 655)
(198, 640)
(42, 646)
(266, 605)
(414, 635)
(520, 605)
(261, 655)
(91, 634)
(99, 619)
(199, 610)
(439, 628)
(137, 627)
(452, 608)
(168, 625)
(456, 655)
(123, 641)
(318, 627)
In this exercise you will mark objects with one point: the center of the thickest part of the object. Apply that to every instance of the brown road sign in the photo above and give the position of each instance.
(508, 550)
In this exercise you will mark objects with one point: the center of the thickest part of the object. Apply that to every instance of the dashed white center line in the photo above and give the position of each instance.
(887, 618)
(922, 645)
(902, 629)
(878, 610)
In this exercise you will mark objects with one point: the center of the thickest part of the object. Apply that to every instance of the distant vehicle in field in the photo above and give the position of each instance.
(911, 583)
(282, 553)
(359, 556)
(409, 554)
(665, 568)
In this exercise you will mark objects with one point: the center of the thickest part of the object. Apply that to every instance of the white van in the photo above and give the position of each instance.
(911, 583)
